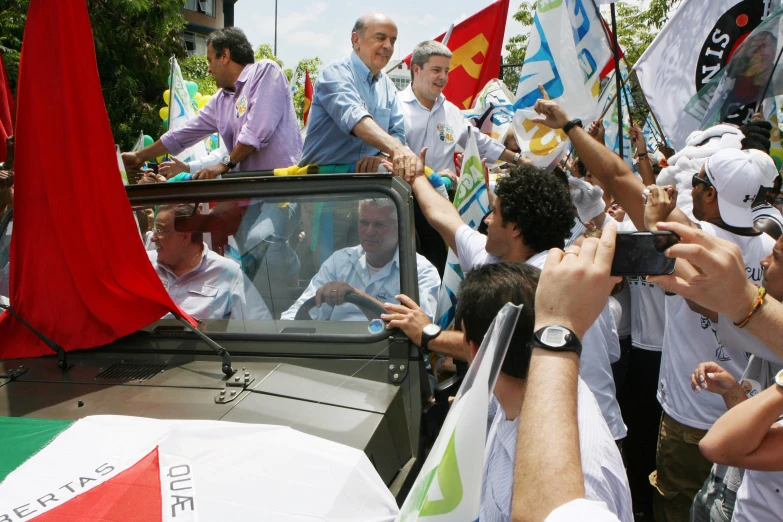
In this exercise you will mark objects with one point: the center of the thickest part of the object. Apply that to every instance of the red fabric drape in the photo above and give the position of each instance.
(308, 95)
(6, 110)
(476, 44)
(79, 273)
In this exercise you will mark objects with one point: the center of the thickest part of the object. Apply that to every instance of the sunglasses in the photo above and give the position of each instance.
(697, 180)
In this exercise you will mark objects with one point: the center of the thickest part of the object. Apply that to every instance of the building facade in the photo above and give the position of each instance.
(401, 75)
(203, 17)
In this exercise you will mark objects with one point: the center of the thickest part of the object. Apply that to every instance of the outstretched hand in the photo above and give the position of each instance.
(550, 113)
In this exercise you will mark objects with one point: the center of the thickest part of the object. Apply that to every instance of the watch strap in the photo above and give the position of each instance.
(426, 338)
(576, 122)
(572, 345)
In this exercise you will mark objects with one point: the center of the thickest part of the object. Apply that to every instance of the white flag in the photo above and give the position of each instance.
(472, 203)
(567, 50)
(181, 110)
(448, 488)
(687, 55)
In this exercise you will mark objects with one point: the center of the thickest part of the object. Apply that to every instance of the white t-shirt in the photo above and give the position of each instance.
(441, 129)
(648, 317)
(760, 497)
(598, 343)
(691, 339)
(583, 510)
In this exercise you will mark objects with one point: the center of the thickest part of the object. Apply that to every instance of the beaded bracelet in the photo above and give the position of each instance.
(759, 302)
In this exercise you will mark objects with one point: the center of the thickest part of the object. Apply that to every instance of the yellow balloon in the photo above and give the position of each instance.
(159, 159)
(164, 113)
(167, 96)
(198, 96)
(203, 101)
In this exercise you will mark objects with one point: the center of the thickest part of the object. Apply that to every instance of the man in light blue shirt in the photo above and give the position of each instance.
(370, 269)
(354, 116)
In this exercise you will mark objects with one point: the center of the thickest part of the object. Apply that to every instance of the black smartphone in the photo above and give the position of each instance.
(642, 253)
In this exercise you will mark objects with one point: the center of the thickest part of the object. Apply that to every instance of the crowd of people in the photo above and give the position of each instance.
(638, 398)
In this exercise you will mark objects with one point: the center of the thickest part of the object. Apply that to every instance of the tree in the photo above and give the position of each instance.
(134, 40)
(196, 69)
(517, 45)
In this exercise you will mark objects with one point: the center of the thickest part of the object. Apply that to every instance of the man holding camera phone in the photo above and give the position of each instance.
(723, 193)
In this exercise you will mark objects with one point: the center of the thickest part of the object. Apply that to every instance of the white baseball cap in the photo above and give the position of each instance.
(737, 178)
(766, 165)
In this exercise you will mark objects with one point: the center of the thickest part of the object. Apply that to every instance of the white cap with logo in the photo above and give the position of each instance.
(737, 178)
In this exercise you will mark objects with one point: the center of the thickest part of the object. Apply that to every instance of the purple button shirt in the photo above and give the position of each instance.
(260, 114)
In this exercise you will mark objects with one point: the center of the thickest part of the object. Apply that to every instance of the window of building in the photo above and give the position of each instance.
(191, 5)
(190, 42)
(206, 7)
(401, 83)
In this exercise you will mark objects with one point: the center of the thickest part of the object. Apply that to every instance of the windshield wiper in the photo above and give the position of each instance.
(62, 361)
(219, 350)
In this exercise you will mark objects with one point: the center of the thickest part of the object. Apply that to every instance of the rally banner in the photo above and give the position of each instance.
(181, 110)
(6, 110)
(566, 53)
(689, 52)
(476, 44)
(771, 111)
(448, 488)
(492, 110)
(652, 136)
(137, 469)
(308, 97)
(472, 203)
(751, 69)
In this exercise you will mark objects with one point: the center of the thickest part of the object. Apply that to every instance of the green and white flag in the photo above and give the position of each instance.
(181, 110)
(448, 488)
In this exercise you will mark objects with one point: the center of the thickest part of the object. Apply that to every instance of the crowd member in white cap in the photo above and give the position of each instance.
(767, 218)
(589, 202)
(722, 197)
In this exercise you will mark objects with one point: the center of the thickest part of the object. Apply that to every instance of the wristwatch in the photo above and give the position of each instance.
(516, 158)
(226, 160)
(430, 332)
(576, 122)
(779, 378)
(557, 339)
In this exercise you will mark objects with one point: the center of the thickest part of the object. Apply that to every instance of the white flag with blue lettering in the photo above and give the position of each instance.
(566, 52)
(472, 203)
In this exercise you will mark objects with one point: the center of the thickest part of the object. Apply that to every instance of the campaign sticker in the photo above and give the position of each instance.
(376, 326)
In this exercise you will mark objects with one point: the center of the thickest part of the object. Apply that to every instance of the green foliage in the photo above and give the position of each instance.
(517, 45)
(265, 51)
(196, 69)
(134, 40)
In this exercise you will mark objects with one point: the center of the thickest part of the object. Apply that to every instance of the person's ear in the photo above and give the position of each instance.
(355, 40)
(473, 349)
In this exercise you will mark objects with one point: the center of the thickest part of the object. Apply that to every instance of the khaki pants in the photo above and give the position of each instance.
(681, 470)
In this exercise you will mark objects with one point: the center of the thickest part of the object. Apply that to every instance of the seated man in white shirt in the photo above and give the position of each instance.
(370, 269)
(482, 294)
(199, 281)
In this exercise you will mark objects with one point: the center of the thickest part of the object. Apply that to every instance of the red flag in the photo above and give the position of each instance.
(308, 95)
(6, 110)
(79, 273)
(609, 67)
(476, 44)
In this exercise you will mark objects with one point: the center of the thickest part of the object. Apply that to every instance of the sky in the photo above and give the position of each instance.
(310, 28)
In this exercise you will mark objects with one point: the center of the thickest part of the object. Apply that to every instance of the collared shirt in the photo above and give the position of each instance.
(215, 289)
(260, 114)
(582, 510)
(349, 265)
(602, 466)
(346, 93)
(441, 130)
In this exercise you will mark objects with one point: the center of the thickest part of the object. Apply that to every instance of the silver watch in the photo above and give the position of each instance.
(517, 156)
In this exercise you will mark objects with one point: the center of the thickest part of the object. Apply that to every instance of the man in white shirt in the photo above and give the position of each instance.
(199, 281)
(434, 122)
(531, 214)
(482, 294)
(723, 193)
(370, 269)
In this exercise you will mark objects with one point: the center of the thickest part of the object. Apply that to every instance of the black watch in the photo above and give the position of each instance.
(226, 160)
(576, 122)
(557, 339)
(430, 332)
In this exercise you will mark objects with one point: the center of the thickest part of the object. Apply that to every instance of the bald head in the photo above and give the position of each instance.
(373, 38)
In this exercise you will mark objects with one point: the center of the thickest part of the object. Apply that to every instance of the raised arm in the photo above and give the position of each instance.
(643, 165)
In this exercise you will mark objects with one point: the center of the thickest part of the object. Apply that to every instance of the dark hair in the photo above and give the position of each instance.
(233, 39)
(484, 292)
(539, 204)
(581, 168)
(561, 175)
(184, 210)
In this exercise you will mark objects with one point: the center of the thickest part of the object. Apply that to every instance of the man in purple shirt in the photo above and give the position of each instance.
(252, 111)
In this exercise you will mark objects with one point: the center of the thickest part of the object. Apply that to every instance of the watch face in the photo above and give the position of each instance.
(226, 160)
(779, 378)
(431, 329)
(554, 336)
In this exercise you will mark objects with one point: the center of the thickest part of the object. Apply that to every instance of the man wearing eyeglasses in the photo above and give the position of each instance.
(201, 282)
(723, 194)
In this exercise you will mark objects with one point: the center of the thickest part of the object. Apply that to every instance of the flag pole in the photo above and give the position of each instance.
(618, 79)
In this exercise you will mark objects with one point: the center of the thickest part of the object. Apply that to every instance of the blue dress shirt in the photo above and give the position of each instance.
(347, 92)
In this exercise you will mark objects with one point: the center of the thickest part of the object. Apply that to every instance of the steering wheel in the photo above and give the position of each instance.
(369, 308)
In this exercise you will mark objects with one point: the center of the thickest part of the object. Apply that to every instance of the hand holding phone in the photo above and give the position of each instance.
(642, 253)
